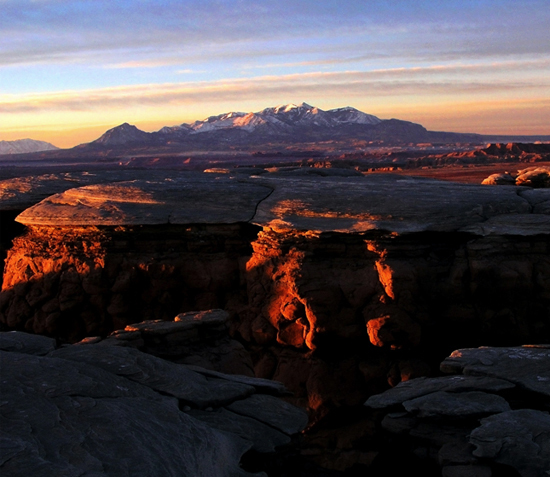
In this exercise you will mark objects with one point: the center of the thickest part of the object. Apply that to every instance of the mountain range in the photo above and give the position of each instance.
(288, 124)
(282, 129)
(22, 146)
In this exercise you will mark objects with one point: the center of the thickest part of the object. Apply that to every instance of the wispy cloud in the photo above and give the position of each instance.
(135, 32)
(434, 80)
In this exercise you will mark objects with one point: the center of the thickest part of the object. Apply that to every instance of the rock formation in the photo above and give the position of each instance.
(194, 338)
(493, 153)
(338, 286)
(537, 177)
(102, 409)
(490, 420)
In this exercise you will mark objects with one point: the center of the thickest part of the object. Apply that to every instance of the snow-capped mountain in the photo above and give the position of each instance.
(284, 118)
(22, 146)
(287, 123)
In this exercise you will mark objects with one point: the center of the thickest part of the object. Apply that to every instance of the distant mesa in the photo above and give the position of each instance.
(22, 146)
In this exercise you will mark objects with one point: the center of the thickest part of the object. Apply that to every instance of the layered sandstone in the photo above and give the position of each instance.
(338, 286)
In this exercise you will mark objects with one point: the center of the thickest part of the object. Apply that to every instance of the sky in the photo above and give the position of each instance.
(70, 70)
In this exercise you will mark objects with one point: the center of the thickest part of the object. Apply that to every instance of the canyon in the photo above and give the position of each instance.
(337, 284)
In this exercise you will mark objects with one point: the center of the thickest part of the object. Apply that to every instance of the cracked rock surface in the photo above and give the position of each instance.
(112, 410)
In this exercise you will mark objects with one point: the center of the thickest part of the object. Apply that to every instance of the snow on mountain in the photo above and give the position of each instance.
(175, 129)
(222, 121)
(22, 146)
(349, 115)
(281, 118)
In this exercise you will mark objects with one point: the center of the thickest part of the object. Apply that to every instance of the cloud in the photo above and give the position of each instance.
(126, 32)
(433, 81)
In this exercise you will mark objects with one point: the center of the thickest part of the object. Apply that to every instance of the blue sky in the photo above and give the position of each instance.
(71, 69)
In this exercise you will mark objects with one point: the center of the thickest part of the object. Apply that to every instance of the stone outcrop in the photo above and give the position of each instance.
(492, 419)
(538, 177)
(195, 338)
(96, 409)
(339, 286)
(21, 192)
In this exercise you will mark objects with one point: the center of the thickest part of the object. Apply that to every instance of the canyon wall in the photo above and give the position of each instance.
(85, 281)
(337, 286)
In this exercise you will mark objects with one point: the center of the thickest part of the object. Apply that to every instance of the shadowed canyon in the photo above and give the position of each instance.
(337, 284)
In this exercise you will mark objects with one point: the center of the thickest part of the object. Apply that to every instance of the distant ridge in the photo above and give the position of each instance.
(22, 146)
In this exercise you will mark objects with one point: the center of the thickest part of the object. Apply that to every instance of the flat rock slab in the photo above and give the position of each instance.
(209, 317)
(182, 199)
(66, 418)
(183, 322)
(295, 200)
(527, 367)
(272, 411)
(418, 387)
(20, 193)
(26, 343)
(457, 405)
(169, 378)
(381, 202)
(520, 439)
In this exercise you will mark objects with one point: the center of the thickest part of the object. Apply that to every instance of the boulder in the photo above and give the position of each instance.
(534, 177)
(194, 338)
(500, 179)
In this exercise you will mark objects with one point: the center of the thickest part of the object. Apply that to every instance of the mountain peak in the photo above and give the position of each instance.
(122, 134)
(21, 146)
(285, 108)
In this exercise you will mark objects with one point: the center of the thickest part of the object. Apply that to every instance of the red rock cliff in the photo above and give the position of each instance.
(350, 283)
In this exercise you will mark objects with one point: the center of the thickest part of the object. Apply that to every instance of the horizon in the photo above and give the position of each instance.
(73, 70)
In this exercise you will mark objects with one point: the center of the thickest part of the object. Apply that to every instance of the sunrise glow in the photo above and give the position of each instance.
(71, 70)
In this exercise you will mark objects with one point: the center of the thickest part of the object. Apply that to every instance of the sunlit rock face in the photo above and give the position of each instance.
(401, 291)
(76, 282)
(337, 285)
